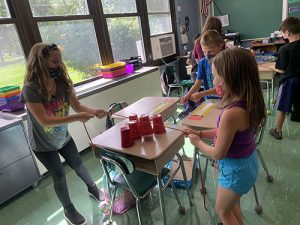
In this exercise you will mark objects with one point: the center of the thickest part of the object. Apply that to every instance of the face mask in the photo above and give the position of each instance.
(54, 73)
(210, 58)
(219, 90)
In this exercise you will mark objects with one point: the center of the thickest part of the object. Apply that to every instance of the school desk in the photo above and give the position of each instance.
(165, 106)
(148, 156)
(266, 75)
(202, 118)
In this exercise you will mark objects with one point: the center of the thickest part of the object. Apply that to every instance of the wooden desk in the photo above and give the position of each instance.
(165, 106)
(266, 75)
(204, 117)
(148, 156)
(273, 47)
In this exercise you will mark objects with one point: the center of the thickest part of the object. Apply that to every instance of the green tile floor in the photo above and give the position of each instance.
(280, 200)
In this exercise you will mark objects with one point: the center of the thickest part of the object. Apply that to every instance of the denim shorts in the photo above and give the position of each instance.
(288, 94)
(238, 175)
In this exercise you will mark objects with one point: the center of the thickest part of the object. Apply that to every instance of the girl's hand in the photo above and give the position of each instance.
(100, 113)
(84, 116)
(194, 139)
(188, 131)
(196, 97)
(185, 99)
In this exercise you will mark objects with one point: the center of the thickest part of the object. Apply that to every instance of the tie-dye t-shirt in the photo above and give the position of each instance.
(44, 139)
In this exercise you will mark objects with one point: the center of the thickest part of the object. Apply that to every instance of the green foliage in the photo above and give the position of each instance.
(13, 74)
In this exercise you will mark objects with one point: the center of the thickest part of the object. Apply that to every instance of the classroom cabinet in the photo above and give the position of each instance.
(18, 168)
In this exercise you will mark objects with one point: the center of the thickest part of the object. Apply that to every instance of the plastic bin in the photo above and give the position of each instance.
(113, 74)
(11, 104)
(113, 67)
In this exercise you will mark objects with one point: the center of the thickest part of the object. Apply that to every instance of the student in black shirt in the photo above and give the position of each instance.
(288, 64)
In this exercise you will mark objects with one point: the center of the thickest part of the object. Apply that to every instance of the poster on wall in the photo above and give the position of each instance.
(224, 20)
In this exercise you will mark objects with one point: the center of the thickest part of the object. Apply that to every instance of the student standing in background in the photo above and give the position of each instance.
(288, 64)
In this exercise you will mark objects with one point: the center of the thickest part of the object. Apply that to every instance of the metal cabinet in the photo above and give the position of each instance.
(18, 169)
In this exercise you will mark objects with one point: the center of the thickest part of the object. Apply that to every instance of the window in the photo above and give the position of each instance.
(117, 6)
(159, 16)
(124, 28)
(74, 32)
(4, 12)
(79, 45)
(12, 60)
(89, 32)
(58, 7)
(125, 37)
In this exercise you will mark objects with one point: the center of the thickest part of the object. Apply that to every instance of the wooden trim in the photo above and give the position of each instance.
(101, 31)
(62, 18)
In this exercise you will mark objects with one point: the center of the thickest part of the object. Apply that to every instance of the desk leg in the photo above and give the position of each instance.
(184, 178)
(196, 157)
(272, 89)
(161, 200)
(269, 112)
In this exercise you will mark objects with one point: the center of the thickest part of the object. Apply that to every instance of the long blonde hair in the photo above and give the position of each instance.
(37, 69)
(239, 71)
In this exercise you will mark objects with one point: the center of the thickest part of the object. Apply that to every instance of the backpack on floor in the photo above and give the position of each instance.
(124, 199)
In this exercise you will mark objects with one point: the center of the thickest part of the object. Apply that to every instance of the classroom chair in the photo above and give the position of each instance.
(258, 139)
(113, 108)
(171, 82)
(139, 183)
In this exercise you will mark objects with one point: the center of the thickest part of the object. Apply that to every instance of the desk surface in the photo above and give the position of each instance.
(204, 117)
(111, 140)
(150, 105)
(148, 156)
(266, 66)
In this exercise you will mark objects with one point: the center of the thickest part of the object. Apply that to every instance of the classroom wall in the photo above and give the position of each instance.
(253, 19)
(189, 8)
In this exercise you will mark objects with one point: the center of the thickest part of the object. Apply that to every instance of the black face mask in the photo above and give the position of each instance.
(54, 73)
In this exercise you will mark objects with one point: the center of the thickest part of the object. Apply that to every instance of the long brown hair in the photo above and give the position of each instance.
(212, 23)
(37, 69)
(239, 71)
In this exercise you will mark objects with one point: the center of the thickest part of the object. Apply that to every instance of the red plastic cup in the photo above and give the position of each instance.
(158, 124)
(126, 137)
(133, 116)
(133, 126)
(145, 125)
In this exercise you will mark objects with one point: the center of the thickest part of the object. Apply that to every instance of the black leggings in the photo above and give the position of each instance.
(53, 164)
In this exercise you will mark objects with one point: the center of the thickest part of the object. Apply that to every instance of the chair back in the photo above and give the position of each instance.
(113, 108)
(114, 165)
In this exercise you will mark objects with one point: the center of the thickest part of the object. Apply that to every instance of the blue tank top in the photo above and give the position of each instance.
(243, 144)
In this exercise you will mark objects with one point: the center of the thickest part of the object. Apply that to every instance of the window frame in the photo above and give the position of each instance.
(27, 27)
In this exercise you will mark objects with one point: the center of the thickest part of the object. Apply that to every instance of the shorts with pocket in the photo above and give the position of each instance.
(238, 174)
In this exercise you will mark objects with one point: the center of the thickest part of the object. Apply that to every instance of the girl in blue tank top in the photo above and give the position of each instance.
(236, 79)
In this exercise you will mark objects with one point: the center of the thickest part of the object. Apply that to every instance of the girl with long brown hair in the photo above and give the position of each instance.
(48, 93)
(236, 79)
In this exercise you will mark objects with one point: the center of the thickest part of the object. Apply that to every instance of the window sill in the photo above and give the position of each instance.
(97, 86)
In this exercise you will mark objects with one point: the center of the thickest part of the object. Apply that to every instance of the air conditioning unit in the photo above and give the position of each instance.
(162, 46)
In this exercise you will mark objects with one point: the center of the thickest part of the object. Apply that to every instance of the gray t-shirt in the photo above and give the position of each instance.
(43, 139)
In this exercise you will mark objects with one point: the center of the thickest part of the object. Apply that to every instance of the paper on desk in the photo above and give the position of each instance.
(160, 107)
(201, 111)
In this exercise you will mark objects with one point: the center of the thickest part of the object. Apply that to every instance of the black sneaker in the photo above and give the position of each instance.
(96, 193)
(277, 135)
(73, 216)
